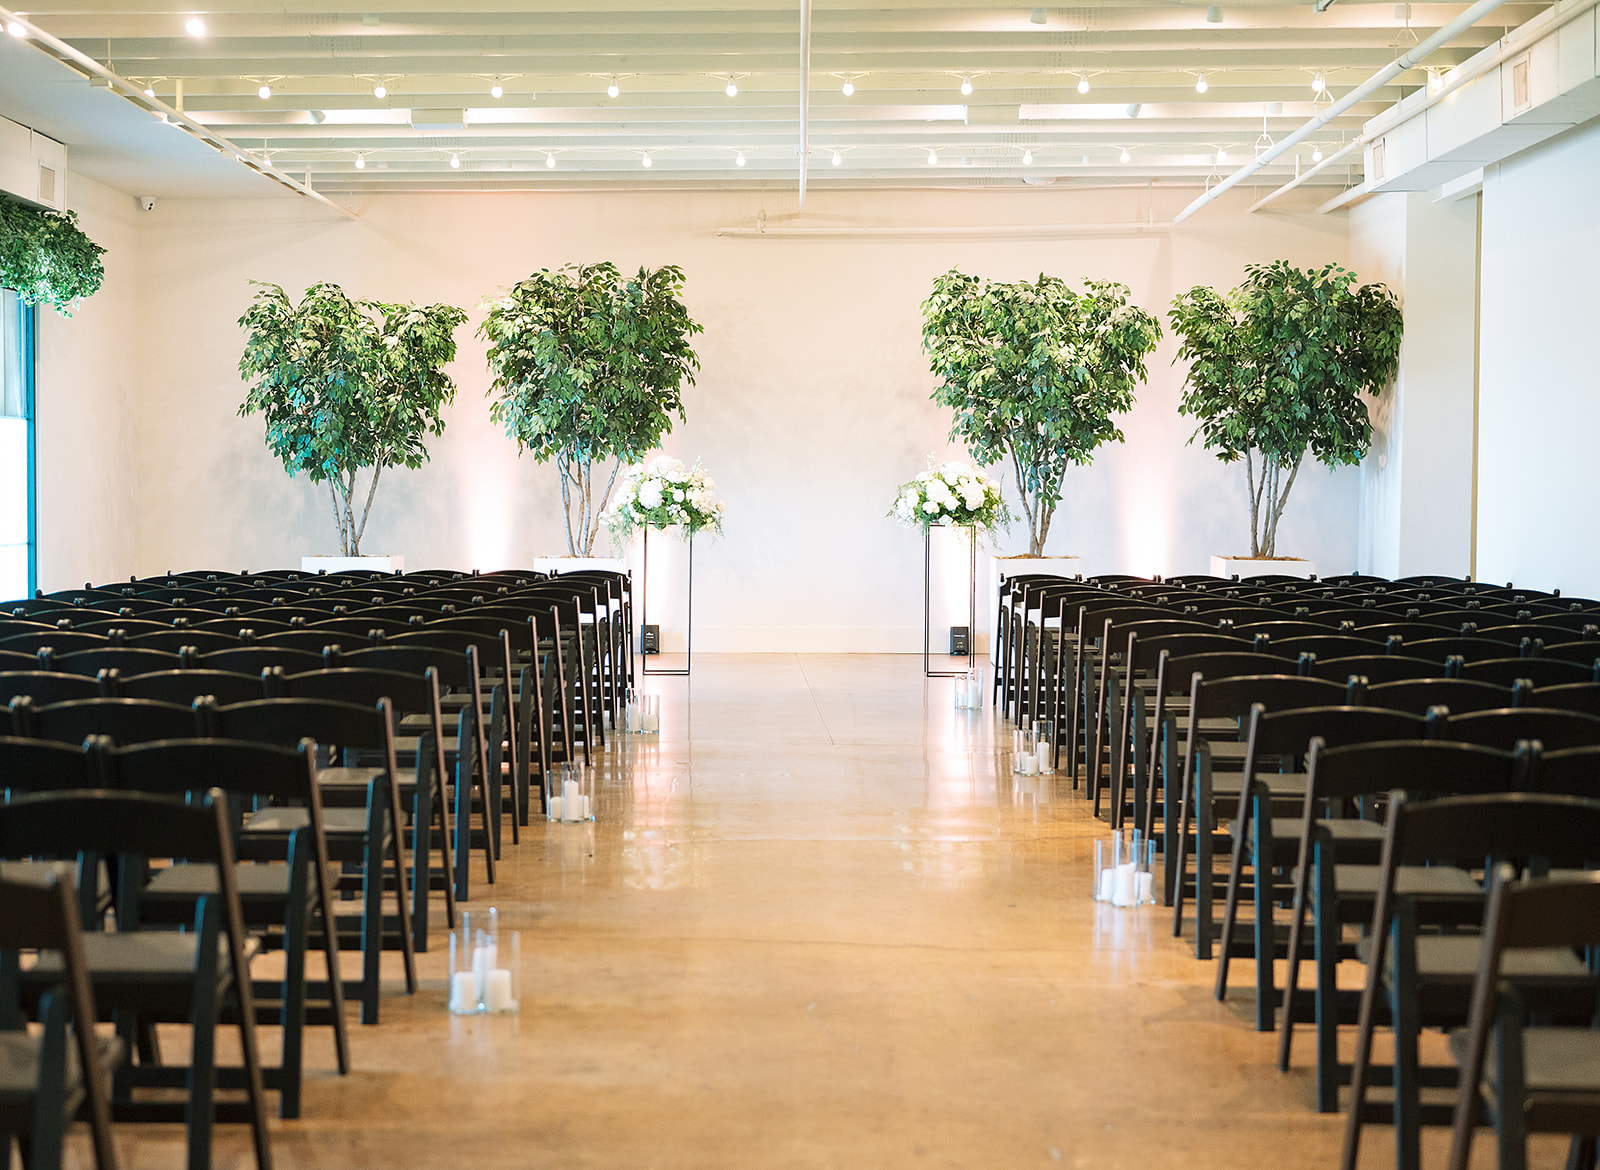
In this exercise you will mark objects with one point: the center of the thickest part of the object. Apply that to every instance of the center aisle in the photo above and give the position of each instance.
(815, 925)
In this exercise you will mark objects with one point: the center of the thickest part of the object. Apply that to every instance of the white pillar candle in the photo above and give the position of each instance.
(1147, 886)
(498, 997)
(555, 809)
(463, 993)
(1108, 884)
(1028, 764)
(587, 811)
(483, 961)
(975, 697)
(571, 801)
(1126, 885)
(1045, 764)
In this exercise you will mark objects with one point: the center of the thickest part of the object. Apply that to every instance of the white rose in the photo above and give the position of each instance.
(650, 494)
(931, 508)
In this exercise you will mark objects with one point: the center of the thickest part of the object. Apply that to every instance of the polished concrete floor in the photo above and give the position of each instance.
(816, 924)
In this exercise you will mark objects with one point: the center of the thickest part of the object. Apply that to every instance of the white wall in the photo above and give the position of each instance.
(1539, 373)
(86, 389)
(811, 406)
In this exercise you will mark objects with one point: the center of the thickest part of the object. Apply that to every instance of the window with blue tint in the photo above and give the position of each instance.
(17, 570)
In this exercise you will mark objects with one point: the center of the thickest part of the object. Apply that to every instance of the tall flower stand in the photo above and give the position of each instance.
(927, 602)
(644, 602)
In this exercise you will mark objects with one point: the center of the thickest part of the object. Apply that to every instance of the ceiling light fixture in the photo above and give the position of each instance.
(1125, 156)
(933, 158)
(149, 91)
(732, 88)
(848, 88)
(266, 161)
(264, 92)
(497, 90)
(738, 159)
(966, 87)
(1083, 83)
(613, 90)
(1214, 14)
(1201, 84)
(361, 162)
(1222, 156)
(16, 28)
(1316, 154)
(1435, 80)
(455, 162)
(647, 161)
(1319, 83)
(380, 91)
(838, 159)
(195, 27)
(549, 159)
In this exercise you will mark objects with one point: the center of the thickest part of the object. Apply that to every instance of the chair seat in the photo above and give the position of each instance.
(1431, 881)
(19, 1065)
(135, 958)
(256, 883)
(1454, 958)
(1555, 1060)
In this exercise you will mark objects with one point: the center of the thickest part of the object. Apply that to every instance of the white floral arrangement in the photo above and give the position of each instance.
(952, 493)
(665, 494)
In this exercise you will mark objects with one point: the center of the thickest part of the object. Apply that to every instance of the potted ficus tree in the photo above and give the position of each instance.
(1277, 370)
(46, 257)
(588, 368)
(1036, 374)
(346, 384)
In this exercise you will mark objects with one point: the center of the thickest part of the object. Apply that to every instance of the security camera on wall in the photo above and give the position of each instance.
(146, 202)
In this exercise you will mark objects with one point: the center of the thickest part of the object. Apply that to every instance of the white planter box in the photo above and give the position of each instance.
(578, 564)
(348, 564)
(1250, 567)
(1015, 567)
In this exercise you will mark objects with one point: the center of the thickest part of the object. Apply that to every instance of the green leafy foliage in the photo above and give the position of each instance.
(588, 368)
(1035, 372)
(1277, 370)
(47, 258)
(345, 384)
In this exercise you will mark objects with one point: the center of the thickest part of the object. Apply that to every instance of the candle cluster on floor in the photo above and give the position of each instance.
(484, 965)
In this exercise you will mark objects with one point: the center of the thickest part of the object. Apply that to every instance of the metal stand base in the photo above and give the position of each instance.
(927, 603)
(644, 601)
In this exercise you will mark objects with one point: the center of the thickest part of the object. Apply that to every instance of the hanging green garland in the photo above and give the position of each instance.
(46, 257)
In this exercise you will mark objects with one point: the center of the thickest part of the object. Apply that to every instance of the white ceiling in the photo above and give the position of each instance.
(672, 59)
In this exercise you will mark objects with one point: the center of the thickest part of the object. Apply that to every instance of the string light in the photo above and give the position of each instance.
(455, 162)
(1316, 154)
(1318, 83)
(838, 159)
(16, 28)
(497, 90)
(195, 27)
(264, 92)
(1435, 80)
(732, 88)
(1222, 156)
(380, 91)
(549, 160)
(1125, 156)
(647, 161)
(1083, 83)
(738, 159)
(1027, 158)
(1201, 84)
(361, 162)
(613, 89)
(933, 158)
(149, 91)
(966, 87)
(848, 88)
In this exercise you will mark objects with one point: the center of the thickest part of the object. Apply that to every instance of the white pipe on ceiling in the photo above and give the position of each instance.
(1357, 143)
(1407, 60)
(805, 96)
(976, 231)
(64, 52)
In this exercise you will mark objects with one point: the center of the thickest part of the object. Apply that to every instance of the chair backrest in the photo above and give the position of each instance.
(185, 686)
(1375, 668)
(255, 659)
(1236, 696)
(1417, 695)
(123, 659)
(1426, 766)
(1288, 732)
(1327, 645)
(39, 765)
(45, 686)
(1502, 727)
(1147, 650)
(286, 722)
(121, 720)
(1175, 674)
(1540, 672)
(59, 641)
(1471, 649)
(1585, 653)
(1581, 696)
(312, 639)
(200, 641)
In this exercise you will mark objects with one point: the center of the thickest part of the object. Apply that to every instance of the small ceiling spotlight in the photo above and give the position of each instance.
(195, 27)
(838, 158)
(1083, 83)
(264, 92)
(1319, 84)
(647, 161)
(933, 158)
(613, 90)
(549, 159)
(380, 91)
(1201, 84)
(738, 159)
(497, 90)
(16, 28)
(732, 88)
(1214, 14)
(266, 161)
(1316, 154)
(1027, 158)
(1125, 156)
(361, 162)
(1222, 156)
(149, 91)
(848, 88)
(1435, 80)
(966, 87)
(455, 162)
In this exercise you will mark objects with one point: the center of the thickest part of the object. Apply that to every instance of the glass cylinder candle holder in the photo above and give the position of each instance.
(649, 714)
(632, 713)
(1025, 754)
(569, 793)
(1145, 876)
(969, 690)
(502, 990)
(1107, 857)
(1044, 741)
(472, 949)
